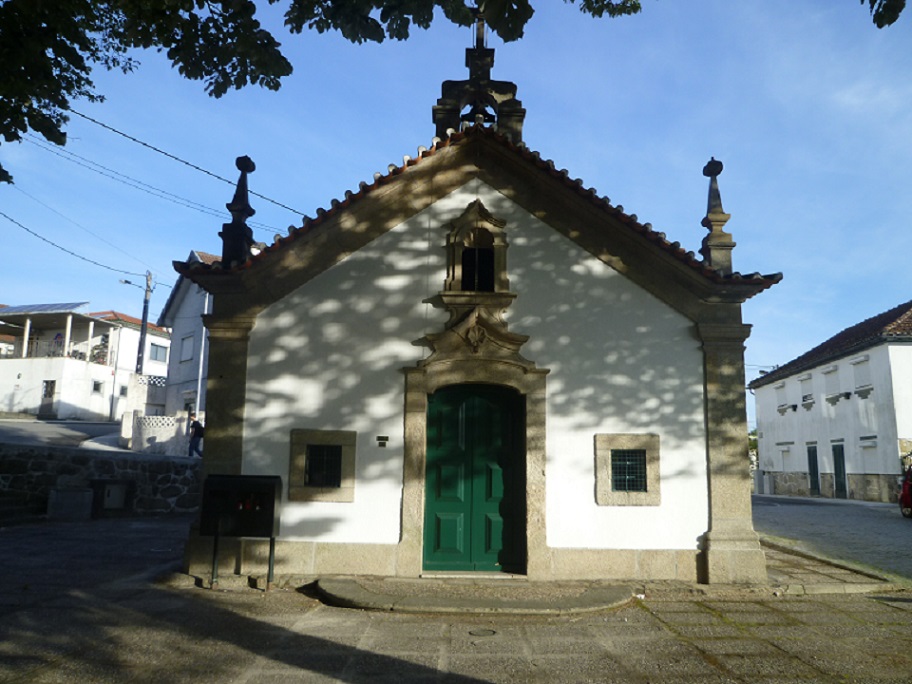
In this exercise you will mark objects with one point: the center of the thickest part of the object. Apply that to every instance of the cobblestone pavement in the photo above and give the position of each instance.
(867, 534)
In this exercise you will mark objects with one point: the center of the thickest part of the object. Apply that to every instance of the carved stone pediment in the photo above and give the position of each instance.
(479, 335)
(476, 331)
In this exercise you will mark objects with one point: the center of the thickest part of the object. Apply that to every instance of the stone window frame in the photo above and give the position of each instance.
(476, 228)
(604, 444)
(299, 440)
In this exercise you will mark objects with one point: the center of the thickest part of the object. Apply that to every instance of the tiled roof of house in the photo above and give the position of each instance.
(561, 175)
(129, 321)
(206, 258)
(894, 325)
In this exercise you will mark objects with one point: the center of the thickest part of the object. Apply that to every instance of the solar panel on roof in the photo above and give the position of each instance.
(42, 308)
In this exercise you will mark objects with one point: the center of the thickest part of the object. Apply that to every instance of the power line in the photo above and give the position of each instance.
(67, 251)
(182, 161)
(129, 181)
(120, 177)
(77, 224)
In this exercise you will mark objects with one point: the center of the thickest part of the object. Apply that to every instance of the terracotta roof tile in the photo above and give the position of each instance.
(603, 203)
(130, 321)
(894, 325)
(207, 258)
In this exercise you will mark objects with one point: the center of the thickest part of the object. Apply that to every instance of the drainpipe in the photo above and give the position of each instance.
(199, 373)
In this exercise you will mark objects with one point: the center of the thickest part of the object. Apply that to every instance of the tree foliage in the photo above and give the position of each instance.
(885, 12)
(48, 48)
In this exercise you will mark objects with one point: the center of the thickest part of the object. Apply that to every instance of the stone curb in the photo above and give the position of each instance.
(822, 559)
(877, 583)
(349, 593)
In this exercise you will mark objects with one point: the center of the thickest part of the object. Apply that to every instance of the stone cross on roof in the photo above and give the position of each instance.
(479, 100)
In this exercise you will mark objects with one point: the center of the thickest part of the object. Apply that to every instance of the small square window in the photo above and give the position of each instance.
(123, 390)
(158, 352)
(322, 465)
(627, 470)
(97, 386)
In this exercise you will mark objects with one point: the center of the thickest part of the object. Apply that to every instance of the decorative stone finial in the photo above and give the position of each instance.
(237, 237)
(718, 245)
(713, 170)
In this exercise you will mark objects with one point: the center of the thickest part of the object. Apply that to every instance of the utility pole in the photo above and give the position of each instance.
(141, 353)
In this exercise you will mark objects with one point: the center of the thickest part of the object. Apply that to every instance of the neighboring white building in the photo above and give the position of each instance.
(74, 366)
(837, 420)
(183, 315)
(475, 363)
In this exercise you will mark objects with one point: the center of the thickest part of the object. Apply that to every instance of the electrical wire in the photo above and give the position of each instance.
(178, 159)
(78, 225)
(129, 181)
(67, 251)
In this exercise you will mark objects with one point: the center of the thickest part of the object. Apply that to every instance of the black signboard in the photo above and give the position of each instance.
(241, 506)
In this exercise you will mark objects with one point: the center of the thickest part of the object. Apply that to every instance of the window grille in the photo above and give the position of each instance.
(323, 465)
(628, 470)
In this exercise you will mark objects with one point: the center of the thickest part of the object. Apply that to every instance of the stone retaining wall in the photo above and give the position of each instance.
(870, 487)
(158, 484)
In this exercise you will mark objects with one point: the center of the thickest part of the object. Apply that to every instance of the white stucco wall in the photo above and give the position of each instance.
(186, 372)
(328, 357)
(784, 436)
(901, 373)
(74, 395)
(22, 380)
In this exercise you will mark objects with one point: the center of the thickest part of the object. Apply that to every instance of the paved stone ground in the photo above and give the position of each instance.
(864, 533)
(77, 604)
(163, 635)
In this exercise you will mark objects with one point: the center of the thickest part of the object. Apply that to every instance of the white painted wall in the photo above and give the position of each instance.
(784, 436)
(901, 373)
(328, 356)
(22, 380)
(189, 356)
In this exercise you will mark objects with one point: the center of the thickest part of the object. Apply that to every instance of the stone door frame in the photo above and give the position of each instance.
(427, 379)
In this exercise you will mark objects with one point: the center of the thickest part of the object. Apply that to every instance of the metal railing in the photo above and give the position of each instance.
(81, 351)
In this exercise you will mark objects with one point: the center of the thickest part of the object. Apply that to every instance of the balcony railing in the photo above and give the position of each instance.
(81, 351)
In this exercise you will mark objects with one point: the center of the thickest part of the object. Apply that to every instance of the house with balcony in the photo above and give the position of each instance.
(837, 420)
(57, 362)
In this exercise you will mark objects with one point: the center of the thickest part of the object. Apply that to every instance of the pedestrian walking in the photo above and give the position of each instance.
(196, 435)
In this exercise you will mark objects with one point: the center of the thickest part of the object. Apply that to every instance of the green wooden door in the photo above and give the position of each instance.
(475, 483)
(839, 472)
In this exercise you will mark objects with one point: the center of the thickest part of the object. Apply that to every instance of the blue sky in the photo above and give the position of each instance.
(806, 103)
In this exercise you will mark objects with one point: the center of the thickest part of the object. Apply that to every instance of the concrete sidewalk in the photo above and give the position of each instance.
(80, 602)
